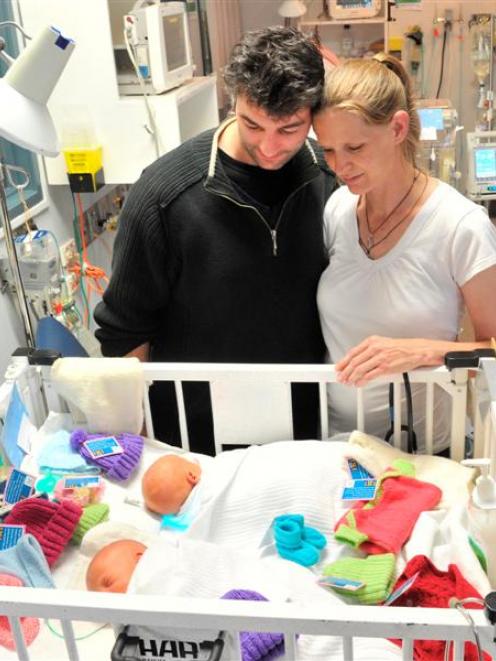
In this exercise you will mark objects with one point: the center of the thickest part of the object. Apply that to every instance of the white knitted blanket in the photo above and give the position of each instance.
(241, 491)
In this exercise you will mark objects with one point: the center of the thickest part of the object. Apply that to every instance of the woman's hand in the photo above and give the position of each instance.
(377, 356)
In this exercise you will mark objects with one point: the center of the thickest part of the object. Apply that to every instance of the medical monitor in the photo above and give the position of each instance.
(158, 36)
(485, 163)
(431, 118)
(481, 179)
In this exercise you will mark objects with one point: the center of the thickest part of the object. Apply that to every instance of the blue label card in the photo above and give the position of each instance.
(357, 471)
(103, 447)
(403, 588)
(77, 481)
(19, 486)
(18, 430)
(341, 583)
(360, 490)
(10, 535)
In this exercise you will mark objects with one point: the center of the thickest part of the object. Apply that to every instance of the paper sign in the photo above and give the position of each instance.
(403, 588)
(106, 446)
(17, 431)
(428, 133)
(357, 471)
(359, 490)
(10, 535)
(19, 486)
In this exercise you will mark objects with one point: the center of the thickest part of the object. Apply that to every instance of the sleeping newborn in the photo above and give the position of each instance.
(113, 565)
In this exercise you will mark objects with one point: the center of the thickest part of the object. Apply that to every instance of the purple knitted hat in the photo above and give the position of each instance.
(257, 645)
(116, 466)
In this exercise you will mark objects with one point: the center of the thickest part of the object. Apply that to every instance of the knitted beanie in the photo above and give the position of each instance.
(257, 645)
(433, 589)
(384, 524)
(92, 515)
(30, 625)
(50, 522)
(116, 466)
(376, 571)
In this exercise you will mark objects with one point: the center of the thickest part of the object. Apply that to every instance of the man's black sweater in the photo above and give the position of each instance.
(200, 274)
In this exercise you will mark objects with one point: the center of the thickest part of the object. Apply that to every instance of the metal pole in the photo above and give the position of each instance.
(14, 264)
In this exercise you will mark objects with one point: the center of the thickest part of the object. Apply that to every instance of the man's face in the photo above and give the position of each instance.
(266, 141)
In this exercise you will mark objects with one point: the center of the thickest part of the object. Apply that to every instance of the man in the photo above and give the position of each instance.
(220, 243)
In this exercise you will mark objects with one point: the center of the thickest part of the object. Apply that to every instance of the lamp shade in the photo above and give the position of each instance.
(26, 88)
(292, 9)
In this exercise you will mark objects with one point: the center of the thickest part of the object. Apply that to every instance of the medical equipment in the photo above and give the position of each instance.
(352, 9)
(438, 129)
(481, 28)
(481, 156)
(348, 623)
(157, 52)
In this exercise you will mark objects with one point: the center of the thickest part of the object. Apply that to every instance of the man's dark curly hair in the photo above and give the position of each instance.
(278, 69)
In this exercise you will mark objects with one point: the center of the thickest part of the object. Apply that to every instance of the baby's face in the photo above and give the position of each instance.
(112, 567)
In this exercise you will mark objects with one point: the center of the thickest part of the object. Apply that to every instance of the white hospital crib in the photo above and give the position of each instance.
(252, 403)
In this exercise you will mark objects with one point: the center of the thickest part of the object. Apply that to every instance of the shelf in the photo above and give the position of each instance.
(375, 20)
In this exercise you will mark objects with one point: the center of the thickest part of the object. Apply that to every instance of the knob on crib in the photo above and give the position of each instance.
(490, 607)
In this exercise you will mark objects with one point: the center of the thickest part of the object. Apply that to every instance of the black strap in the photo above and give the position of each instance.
(408, 428)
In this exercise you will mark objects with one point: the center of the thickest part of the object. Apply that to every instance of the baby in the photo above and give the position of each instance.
(168, 482)
(112, 567)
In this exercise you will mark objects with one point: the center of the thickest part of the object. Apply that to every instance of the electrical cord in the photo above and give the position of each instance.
(459, 605)
(152, 129)
(411, 435)
(443, 51)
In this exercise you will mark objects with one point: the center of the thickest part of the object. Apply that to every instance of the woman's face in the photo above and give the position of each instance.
(362, 155)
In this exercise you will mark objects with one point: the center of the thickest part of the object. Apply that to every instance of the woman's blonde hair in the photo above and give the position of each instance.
(374, 89)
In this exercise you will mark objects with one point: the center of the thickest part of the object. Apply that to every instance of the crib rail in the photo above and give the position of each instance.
(348, 623)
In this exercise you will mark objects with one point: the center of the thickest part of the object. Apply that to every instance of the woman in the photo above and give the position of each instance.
(407, 251)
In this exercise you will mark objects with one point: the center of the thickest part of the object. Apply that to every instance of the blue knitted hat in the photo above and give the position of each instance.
(257, 645)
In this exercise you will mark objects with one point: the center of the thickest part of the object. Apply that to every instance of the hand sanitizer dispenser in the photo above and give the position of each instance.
(482, 514)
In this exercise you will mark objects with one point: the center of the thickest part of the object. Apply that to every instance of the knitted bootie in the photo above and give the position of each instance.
(290, 545)
(308, 534)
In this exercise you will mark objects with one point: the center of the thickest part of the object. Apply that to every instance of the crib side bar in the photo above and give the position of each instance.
(20, 643)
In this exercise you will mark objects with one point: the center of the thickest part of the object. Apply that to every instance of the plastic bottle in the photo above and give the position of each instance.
(482, 515)
(346, 41)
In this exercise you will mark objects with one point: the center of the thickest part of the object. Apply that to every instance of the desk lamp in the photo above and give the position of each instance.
(25, 121)
(291, 9)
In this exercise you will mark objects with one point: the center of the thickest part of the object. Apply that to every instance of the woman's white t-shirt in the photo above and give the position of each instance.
(412, 291)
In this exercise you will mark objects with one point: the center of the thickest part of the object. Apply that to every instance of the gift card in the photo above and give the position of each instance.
(357, 471)
(19, 486)
(341, 583)
(359, 490)
(102, 447)
(78, 481)
(10, 535)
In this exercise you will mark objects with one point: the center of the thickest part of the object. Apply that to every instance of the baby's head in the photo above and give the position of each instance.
(168, 482)
(112, 567)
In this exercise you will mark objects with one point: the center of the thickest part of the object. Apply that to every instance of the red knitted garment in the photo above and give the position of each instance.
(52, 523)
(433, 589)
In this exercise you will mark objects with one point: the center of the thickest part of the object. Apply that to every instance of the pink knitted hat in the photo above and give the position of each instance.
(52, 523)
(30, 625)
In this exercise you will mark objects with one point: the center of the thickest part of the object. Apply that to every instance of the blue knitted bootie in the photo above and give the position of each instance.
(308, 534)
(290, 545)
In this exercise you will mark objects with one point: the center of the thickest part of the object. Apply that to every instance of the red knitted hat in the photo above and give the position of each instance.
(51, 523)
(30, 625)
(434, 588)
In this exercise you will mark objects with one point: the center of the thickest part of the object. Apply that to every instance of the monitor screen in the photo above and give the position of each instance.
(485, 162)
(431, 118)
(175, 41)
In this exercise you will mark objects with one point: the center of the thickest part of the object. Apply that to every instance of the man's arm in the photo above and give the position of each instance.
(142, 353)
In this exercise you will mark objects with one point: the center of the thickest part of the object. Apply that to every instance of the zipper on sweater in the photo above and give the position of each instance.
(273, 232)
